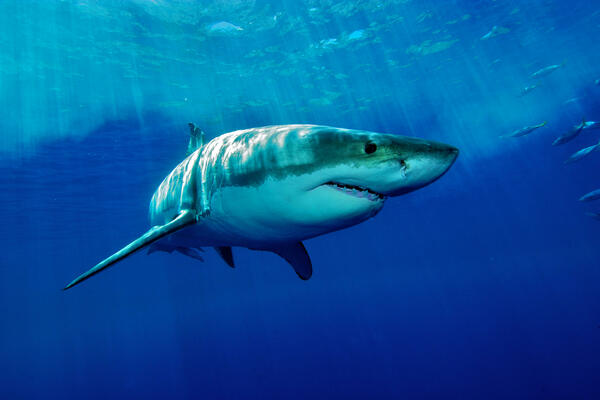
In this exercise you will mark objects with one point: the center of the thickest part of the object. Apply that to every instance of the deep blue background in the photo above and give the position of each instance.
(484, 285)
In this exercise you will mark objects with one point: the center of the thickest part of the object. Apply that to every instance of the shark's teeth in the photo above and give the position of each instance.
(357, 191)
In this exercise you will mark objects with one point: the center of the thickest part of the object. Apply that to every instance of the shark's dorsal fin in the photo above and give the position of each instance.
(297, 256)
(196, 138)
(185, 218)
(226, 254)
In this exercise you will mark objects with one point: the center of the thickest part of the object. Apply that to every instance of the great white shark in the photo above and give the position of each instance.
(270, 188)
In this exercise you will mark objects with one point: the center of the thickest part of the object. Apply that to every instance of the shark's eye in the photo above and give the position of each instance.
(370, 147)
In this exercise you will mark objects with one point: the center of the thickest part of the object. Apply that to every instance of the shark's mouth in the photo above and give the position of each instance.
(357, 191)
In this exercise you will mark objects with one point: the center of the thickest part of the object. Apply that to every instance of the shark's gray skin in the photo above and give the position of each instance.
(524, 131)
(546, 70)
(271, 188)
(591, 196)
(570, 135)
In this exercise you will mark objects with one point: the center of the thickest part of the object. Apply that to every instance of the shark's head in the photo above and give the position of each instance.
(324, 179)
(359, 169)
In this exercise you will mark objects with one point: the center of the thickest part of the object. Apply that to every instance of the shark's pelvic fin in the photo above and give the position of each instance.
(196, 138)
(159, 246)
(226, 254)
(193, 252)
(185, 218)
(190, 252)
(298, 257)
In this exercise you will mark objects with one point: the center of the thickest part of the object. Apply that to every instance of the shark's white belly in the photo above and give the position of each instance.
(259, 216)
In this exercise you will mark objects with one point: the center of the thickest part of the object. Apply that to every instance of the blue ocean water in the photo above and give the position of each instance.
(485, 284)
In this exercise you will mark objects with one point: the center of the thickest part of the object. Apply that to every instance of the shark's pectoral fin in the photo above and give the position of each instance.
(297, 256)
(226, 254)
(185, 218)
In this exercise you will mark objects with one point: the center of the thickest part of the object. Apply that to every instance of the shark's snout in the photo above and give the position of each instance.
(422, 165)
(440, 158)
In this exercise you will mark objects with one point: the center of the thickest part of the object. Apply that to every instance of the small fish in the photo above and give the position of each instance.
(546, 70)
(572, 134)
(593, 215)
(491, 33)
(328, 43)
(223, 28)
(582, 153)
(591, 196)
(592, 125)
(525, 130)
(571, 100)
(495, 31)
(528, 89)
(357, 35)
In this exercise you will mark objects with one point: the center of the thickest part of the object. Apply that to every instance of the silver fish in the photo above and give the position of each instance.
(593, 215)
(528, 89)
(591, 196)
(546, 70)
(592, 125)
(525, 130)
(582, 153)
(570, 135)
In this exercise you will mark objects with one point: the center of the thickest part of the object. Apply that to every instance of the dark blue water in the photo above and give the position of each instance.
(485, 284)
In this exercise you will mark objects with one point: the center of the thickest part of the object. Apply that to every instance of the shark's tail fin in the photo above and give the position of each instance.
(196, 138)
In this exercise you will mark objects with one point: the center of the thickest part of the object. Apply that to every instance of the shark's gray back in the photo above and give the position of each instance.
(248, 157)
